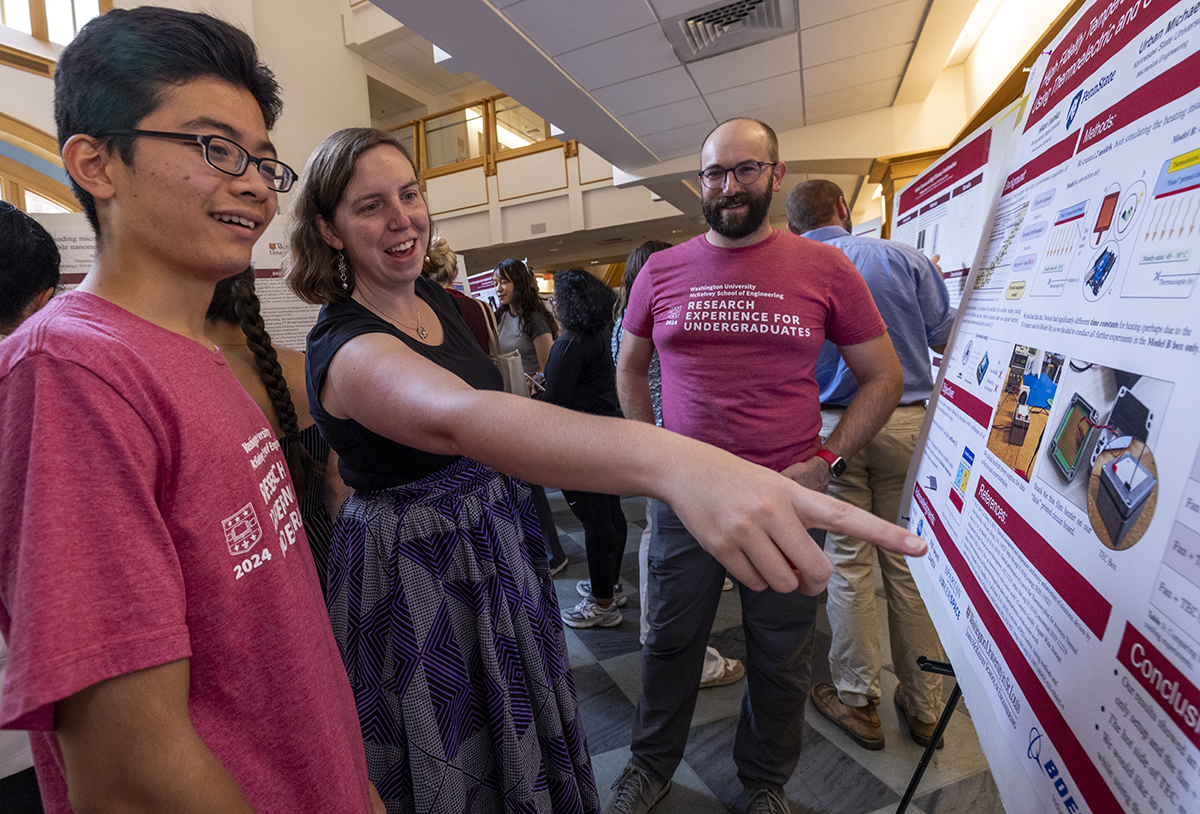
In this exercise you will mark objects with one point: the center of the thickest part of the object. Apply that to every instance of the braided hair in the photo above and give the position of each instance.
(235, 302)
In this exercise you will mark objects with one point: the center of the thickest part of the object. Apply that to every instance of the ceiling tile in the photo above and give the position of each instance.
(819, 12)
(765, 93)
(781, 116)
(673, 8)
(771, 58)
(847, 73)
(664, 87)
(862, 98)
(559, 26)
(624, 57)
(677, 142)
(669, 117)
(862, 33)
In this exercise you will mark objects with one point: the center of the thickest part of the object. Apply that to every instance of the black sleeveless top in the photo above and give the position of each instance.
(368, 461)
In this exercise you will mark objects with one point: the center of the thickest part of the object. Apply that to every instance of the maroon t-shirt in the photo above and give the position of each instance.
(738, 332)
(147, 515)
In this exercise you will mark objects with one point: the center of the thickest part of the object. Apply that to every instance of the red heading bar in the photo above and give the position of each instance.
(950, 170)
(975, 409)
(1169, 688)
(1082, 597)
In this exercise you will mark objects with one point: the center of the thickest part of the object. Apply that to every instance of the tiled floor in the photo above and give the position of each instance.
(834, 777)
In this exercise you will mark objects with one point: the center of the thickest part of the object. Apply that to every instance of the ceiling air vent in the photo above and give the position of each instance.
(728, 27)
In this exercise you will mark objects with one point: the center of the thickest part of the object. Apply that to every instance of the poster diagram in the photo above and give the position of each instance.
(1059, 480)
(1164, 264)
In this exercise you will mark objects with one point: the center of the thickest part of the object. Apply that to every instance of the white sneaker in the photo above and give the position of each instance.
(584, 588)
(732, 671)
(588, 614)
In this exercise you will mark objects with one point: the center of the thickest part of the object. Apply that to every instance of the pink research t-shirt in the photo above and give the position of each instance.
(146, 515)
(738, 332)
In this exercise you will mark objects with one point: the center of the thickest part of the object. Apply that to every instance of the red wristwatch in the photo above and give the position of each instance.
(837, 464)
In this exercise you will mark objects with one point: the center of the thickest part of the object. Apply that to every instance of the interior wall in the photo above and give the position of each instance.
(324, 84)
(28, 98)
(1014, 29)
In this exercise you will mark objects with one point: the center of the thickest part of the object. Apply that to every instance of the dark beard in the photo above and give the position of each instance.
(736, 228)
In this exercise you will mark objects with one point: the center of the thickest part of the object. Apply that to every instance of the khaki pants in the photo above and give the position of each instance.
(874, 481)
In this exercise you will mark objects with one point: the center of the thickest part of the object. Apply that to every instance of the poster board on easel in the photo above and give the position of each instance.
(1059, 483)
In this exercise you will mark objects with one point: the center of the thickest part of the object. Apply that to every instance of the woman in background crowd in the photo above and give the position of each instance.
(439, 594)
(274, 378)
(580, 375)
(441, 266)
(525, 323)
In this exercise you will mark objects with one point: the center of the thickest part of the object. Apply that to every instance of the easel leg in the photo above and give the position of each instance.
(942, 668)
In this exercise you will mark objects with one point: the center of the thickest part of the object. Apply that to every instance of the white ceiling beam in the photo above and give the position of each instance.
(483, 41)
(944, 21)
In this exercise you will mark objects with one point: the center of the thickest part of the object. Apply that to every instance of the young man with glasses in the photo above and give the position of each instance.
(738, 316)
(169, 648)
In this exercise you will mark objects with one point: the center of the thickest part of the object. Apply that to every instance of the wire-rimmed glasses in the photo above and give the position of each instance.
(227, 156)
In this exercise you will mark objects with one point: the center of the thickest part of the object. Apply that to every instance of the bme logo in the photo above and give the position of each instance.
(1034, 753)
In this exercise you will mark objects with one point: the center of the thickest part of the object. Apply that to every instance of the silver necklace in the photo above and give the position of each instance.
(422, 334)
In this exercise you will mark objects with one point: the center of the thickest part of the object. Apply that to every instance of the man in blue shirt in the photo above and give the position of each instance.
(912, 298)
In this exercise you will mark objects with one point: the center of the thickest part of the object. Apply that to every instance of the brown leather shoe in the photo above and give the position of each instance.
(862, 724)
(920, 731)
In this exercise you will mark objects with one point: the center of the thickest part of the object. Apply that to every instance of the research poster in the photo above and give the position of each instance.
(942, 211)
(1059, 484)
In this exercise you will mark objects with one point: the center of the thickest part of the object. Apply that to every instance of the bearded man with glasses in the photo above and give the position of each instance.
(169, 646)
(738, 316)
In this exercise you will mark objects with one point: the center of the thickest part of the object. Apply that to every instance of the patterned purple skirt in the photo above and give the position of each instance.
(444, 611)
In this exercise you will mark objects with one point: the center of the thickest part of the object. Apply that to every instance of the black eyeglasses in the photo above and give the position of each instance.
(226, 156)
(745, 173)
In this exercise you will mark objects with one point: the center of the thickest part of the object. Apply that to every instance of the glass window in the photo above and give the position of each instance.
(518, 126)
(64, 18)
(16, 15)
(455, 137)
(37, 203)
(407, 136)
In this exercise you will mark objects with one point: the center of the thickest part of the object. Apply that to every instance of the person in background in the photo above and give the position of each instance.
(737, 316)
(441, 266)
(718, 670)
(29, 275)
(440, 594)
(168, 646)
(268, 372)
(915, 304)
(29, 263)
(525, 325)
(580, 375)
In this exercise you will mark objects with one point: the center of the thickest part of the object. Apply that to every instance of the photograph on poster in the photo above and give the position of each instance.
(1100, 408)
(1122, 492)
(1024, 406)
